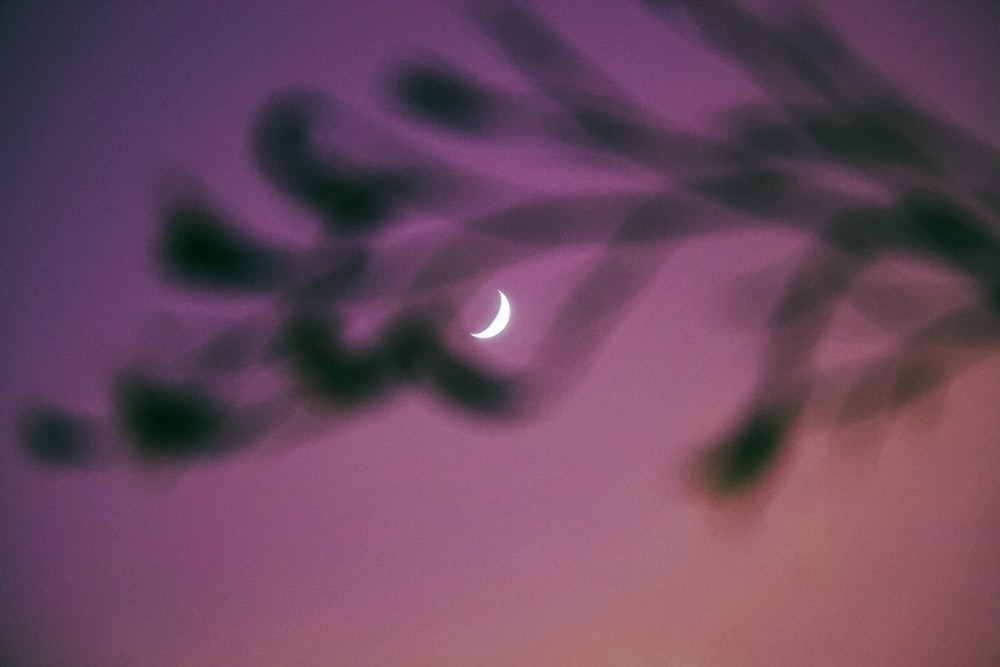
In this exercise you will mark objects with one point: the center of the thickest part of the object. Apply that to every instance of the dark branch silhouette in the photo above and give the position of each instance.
(937, 204)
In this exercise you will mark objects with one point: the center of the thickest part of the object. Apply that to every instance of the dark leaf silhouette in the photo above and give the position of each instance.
(415, 354)
(950, 232)
(55, 437)
(741, 459)
(169, 420)
(445, 98)
(351, 198)
(199, 248)
(757, 190)
(311, 346)
(865, 137)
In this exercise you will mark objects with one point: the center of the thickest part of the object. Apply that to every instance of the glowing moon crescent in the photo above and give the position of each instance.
(499, 322)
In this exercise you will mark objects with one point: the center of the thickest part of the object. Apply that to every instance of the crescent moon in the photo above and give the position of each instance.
(499, 322)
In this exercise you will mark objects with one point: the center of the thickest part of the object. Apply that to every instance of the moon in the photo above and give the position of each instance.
(499, 322)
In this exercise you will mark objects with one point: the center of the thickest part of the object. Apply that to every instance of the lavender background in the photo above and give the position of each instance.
(414, 533)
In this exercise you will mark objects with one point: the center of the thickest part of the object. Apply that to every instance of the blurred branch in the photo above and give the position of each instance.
(934, 201)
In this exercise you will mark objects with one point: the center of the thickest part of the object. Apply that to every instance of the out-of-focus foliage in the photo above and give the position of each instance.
(937, 203)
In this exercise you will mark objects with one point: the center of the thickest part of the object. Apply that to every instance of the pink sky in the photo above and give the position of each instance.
(414, 534)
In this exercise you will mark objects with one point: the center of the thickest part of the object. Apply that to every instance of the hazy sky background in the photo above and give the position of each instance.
(414, 534)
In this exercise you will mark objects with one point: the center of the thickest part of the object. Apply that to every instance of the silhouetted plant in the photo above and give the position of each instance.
(938, 204)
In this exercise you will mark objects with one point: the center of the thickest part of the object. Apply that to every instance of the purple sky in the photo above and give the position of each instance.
(414, 534)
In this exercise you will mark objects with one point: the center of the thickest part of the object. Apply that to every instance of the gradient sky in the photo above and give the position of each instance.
(413, 534)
